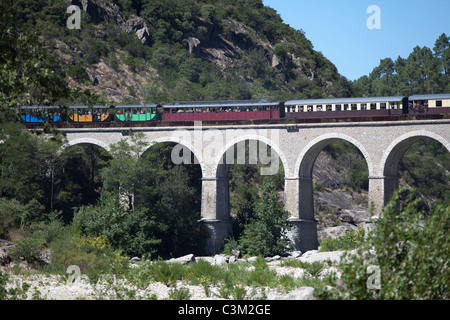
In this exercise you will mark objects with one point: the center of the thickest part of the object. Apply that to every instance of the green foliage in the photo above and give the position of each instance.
(27, 248)
(181, 75)
(425, 166)
(171, 195)
(78, 73)
(48, 231)
(94, 256)
(12, 293)
(179, 294)
(266, 234)
(350, 240)
(78, 182)
(29, 165)
(410, 246)
(148, 206)
(423, 71)
(313, 268)
(28, 74)
(105, 219)
(167, 273)
(208, 11)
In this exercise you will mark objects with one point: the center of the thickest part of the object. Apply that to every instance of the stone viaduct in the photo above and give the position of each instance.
(297, 147)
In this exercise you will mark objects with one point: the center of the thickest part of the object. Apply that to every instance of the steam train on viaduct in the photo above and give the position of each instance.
(432, 106)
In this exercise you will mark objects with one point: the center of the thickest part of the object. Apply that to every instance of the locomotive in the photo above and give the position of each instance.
(432, 106)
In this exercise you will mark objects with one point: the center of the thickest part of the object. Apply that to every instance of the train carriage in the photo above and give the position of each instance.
(341, 108)
(40, 114)
(222, 110)
(89, 114)
(433, 104)
(137, 112)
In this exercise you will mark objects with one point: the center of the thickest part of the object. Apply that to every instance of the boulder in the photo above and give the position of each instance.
(219, 260)
(4, 253)
(236, 253)
(44, 257)
(4, 257)
(137, 25)
(184, 259)
(295, 254)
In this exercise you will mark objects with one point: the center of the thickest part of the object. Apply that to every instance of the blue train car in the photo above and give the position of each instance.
(40, 114)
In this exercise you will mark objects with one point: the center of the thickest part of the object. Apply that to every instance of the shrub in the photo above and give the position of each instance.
(350, 240)
(78, 73)
(49, 232)
(93, 256)
(313, 268)
(203, 272)
(28, 249)
(167, 272)
(179, 294)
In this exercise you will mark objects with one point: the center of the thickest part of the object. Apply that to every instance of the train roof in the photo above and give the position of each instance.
(345, 100)
(38, 107)
(87, 107)
(138, 106)
(439, 96)
(221, 104)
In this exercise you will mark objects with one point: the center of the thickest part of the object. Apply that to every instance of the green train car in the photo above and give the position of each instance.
(137, 113)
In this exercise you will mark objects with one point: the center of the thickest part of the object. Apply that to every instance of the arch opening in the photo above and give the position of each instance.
(333, 175)
(77, 178)
(169, 194)
(243, 173)
(421, 162)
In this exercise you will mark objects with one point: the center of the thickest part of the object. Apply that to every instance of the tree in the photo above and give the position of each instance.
(123, 175)
(442, 53)
(383, 78)
(171, 195)
(78, 182)
(266, 234)
(19, 163)
(28, 74)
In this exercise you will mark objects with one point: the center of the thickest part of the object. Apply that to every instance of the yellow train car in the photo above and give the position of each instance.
(88, 114)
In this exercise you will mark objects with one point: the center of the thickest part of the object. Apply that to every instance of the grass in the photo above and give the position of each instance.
(233, 281)
(238, 281)
(313, 268)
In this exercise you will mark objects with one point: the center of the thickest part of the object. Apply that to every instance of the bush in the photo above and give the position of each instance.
(49, 231)
(350, 240)
(78, 73)
(167, 272)
(107, 218)
(94, 256)
(28, 249)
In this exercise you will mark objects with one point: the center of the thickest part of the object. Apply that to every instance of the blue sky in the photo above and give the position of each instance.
(338, 29)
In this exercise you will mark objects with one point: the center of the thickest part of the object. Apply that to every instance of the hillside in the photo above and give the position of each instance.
(167, 50)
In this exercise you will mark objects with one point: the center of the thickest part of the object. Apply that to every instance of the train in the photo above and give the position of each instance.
(431, 106)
